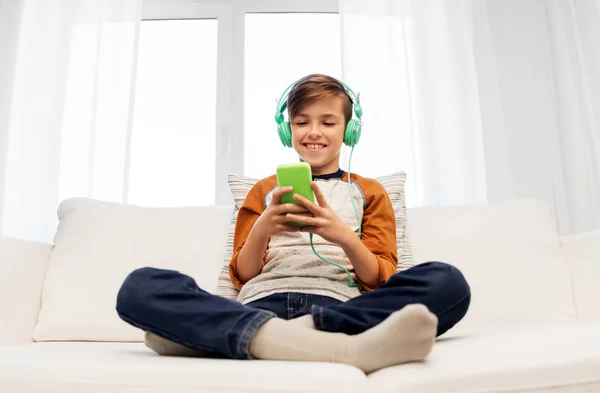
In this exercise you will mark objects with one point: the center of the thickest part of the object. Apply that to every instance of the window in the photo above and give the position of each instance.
(279, 49)
(205, 99)
(172, 160)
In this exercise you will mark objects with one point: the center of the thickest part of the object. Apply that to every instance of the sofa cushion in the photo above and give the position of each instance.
(98, 243)
(557, 357)
(509, 252)
(392, 183)
(131, 367)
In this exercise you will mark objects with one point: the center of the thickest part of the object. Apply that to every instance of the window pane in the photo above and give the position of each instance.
(173, 142)
(281, 48)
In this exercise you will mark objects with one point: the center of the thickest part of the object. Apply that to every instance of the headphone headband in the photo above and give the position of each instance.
(282, 102)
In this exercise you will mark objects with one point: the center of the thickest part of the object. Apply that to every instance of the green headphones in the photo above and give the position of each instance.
(351, 134)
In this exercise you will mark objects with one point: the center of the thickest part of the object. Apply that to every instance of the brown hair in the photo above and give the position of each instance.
(315, 87)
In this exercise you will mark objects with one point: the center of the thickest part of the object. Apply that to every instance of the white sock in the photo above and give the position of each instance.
(165, 347)
(305, 320)
(405, 336)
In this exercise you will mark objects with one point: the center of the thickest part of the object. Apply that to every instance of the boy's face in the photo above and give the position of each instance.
(318, 133)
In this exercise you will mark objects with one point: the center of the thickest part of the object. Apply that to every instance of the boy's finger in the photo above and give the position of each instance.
(292, 208)
(279, 192)
(319, 195)
(311, 206)
(301, 219)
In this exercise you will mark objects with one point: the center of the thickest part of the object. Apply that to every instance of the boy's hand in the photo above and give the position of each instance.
(324, 221)
(275, 218)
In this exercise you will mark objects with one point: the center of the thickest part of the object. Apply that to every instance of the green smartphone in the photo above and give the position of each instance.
(299, 176)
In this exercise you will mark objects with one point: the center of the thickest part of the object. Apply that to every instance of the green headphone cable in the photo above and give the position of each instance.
(351, 282)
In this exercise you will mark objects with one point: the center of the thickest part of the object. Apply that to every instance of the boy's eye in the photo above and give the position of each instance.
(303, 123)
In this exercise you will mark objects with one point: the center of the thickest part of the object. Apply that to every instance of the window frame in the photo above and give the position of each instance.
(230, 14)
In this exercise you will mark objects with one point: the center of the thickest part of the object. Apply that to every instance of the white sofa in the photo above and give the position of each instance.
(533, 326)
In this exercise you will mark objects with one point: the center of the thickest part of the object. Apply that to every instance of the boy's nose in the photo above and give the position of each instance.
(314, 132)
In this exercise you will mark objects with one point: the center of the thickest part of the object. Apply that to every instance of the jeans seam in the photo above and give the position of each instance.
(453, 305)
(163, 334)
(243, 347)
(303, 298)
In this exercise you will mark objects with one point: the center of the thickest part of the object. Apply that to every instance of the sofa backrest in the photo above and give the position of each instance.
(509, 252)
(22, 271)
(583, 257)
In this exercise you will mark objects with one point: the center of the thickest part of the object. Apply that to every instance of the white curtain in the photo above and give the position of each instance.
(66, 92)
(481, 100)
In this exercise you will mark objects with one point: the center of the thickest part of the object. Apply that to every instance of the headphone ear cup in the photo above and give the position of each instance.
(352, 133)
(285, 134)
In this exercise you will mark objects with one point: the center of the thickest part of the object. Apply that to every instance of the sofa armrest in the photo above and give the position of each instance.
(22, 272)
(583, 259)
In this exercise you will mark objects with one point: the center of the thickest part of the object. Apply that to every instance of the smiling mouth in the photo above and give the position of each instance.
(314, 146)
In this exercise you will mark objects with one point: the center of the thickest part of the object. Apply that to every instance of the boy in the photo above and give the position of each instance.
(292, 305)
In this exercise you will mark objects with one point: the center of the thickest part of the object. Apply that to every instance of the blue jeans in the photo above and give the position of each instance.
(171, 305)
